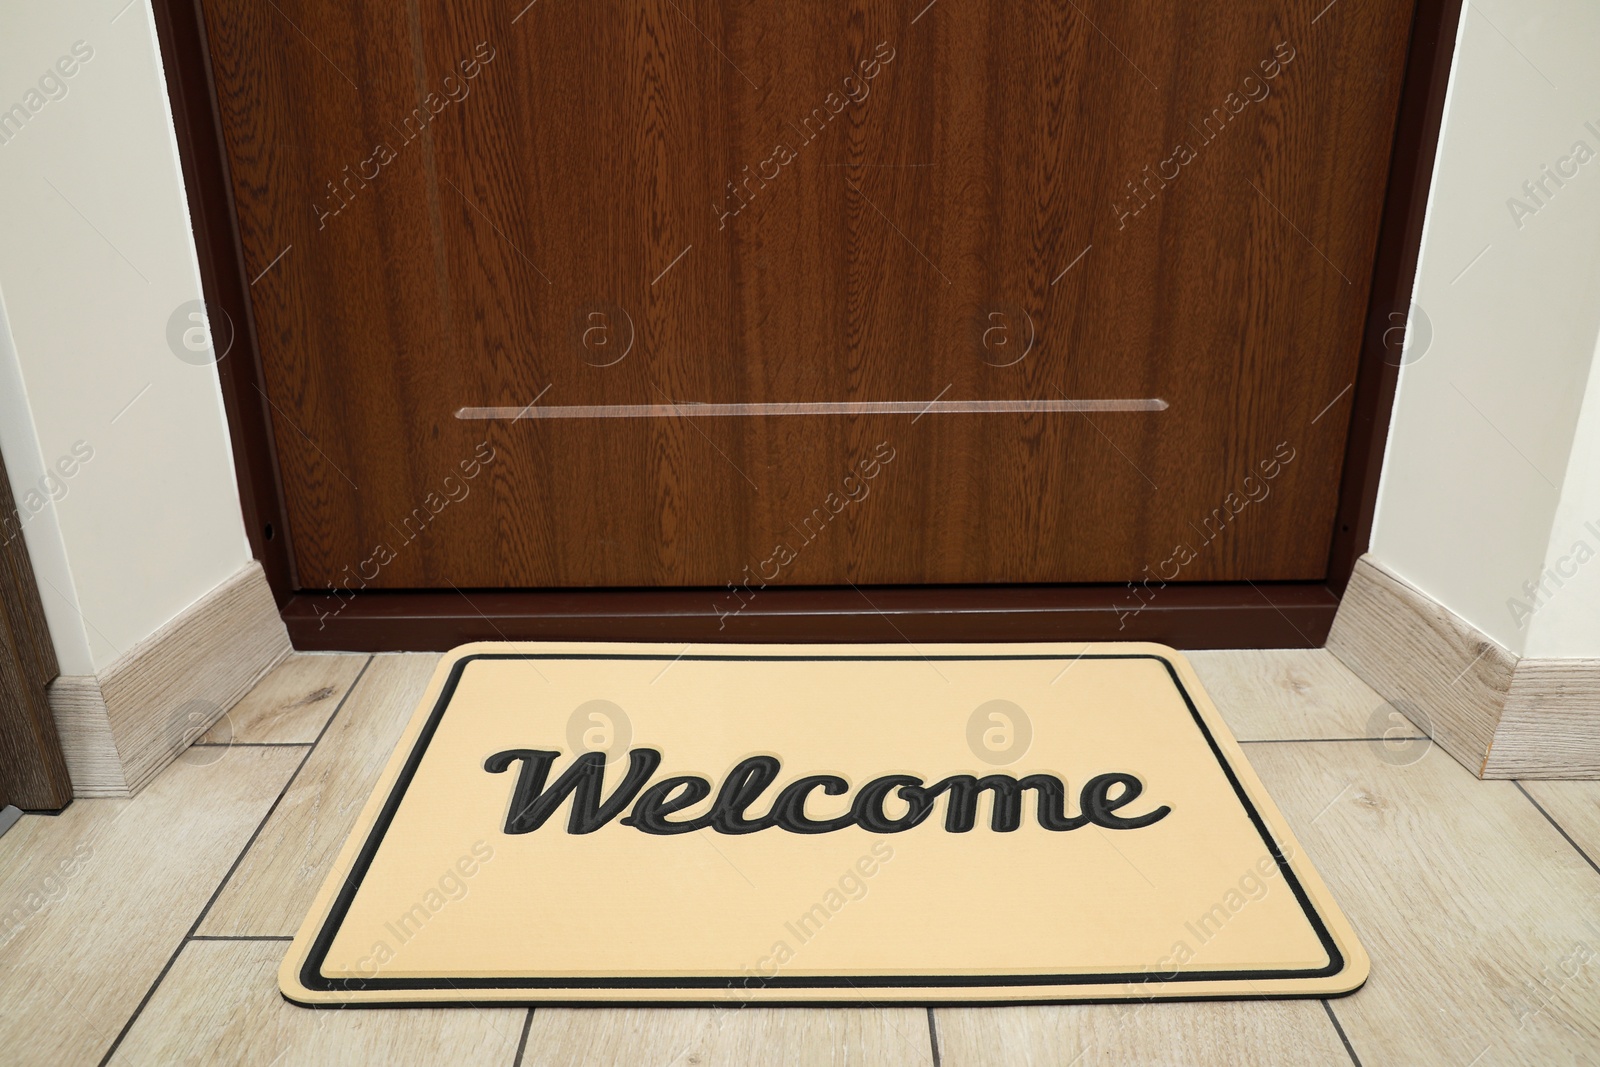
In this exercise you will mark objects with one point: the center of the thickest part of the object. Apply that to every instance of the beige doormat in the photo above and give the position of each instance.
(722, 824)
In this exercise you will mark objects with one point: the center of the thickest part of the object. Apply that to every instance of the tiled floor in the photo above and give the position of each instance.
(150, 930)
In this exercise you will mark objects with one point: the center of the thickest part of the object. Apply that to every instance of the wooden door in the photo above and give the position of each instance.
(699, 292)
(33, 772)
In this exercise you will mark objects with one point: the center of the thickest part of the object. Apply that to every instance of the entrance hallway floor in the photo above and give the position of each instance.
(149, 931)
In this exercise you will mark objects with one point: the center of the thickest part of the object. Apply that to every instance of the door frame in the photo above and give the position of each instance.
(33, 771)
(1191, 615)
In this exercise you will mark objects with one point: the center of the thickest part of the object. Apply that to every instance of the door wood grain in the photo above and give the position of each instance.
(679, 202)
(33, 772)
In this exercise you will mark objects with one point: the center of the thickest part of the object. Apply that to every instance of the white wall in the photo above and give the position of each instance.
(1477, 488)
(1493, 462)
(95, 257)
(1563, 619)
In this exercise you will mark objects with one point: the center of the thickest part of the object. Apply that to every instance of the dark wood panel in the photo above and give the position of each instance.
(429, 624)
(985, 159)
(186, 60)
(1285, 615)
(1394, 274)
(33, 773)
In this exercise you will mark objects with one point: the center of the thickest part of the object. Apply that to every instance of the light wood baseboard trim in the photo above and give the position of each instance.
(1550, 726)
(1498, 715)
(1424, 660)
(84, 727)
(120, 728)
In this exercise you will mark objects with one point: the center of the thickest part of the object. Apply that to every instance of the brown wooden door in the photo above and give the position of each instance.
(813, 293)
(33, 772)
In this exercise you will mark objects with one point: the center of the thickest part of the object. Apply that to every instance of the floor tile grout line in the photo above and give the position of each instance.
(348, 693)
(1323, 740)
(252, 744)
(868, 1004)
(1559, 828)
(522, 1044)
(933, 1038)
(1344, 1037)
(127, 1027)
(242, 937)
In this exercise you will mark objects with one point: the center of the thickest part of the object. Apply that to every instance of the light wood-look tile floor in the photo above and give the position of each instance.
(150, 930)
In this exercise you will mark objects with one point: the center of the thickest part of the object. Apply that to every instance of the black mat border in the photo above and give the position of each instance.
(311, 976)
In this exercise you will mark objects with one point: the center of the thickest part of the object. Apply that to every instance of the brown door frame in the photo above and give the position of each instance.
(33, 773)
(1191, 615)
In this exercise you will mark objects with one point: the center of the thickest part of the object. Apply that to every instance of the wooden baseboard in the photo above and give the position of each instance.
(1432, 665)
(1498, 715)
(120, 728)
(84, 726)
(1551, 722)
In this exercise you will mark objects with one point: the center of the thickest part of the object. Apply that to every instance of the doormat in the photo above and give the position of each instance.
(808, 824)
